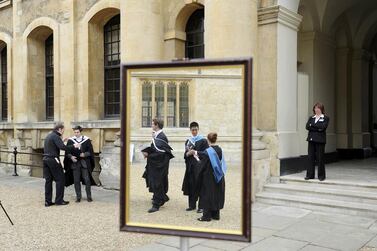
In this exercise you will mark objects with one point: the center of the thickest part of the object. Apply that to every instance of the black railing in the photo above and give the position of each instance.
(15, 163)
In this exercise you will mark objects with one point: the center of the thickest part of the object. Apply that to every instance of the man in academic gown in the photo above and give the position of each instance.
(198, 143)
(157, 169)
(79, 164)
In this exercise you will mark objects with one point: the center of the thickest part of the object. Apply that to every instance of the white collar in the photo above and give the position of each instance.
(80, 139)
(157, 133)
(322, 116)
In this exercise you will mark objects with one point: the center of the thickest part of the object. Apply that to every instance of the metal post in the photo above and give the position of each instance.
(15, 161)
(11, 222)
(184, 243)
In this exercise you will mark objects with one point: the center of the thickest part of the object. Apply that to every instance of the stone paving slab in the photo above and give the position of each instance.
(342, 219)
(225, 245)
(276, 244)
(271, 221)
(173, 241)
(329, 235)
(372, 243)
(316, 248)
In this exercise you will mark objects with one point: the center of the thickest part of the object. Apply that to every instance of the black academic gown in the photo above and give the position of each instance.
(86, 146)
(192, 167)
(211, 194)
(157, 168)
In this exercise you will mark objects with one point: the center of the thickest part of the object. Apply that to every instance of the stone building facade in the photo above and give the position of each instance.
(60, 62)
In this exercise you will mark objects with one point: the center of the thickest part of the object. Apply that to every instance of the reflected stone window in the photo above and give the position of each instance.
(170, 102)
(195, 35)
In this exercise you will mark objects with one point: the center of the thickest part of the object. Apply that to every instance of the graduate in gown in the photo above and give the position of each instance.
(79, 164)
(211, 181)
(198, 143)
(157, 169)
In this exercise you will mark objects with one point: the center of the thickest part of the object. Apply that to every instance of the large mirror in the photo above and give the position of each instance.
(186, 146)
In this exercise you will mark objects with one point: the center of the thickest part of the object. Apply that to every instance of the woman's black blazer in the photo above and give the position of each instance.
(317, 131)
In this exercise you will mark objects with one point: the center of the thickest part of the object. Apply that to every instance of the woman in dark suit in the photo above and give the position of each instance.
(317, 125)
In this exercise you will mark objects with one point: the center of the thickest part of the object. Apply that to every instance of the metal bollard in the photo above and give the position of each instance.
(15, 161)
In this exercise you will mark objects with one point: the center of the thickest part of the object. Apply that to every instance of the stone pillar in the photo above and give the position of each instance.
(360, 100)
(343, 97)
(19, 72)
(142, 32)
(261, 166)
(277, 77)
(110, 165)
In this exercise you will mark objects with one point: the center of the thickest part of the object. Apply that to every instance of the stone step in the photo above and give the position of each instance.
(319, 204)
(329, 183)
(325, 192)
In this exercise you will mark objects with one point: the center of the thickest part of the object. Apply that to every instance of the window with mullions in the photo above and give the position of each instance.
(146, 109)
(4, 84)
(169, 99)
(195, 35)
(112, 67)
(49, 74)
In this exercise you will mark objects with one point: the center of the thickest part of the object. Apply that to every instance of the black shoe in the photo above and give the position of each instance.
(89, 199)
(321, 179)
(153, 209)
(216, 218)
(203, 219)
(199, 211)
(78, 200)
(63, 203)
(308, 178)
(49, 204)
(190, 208)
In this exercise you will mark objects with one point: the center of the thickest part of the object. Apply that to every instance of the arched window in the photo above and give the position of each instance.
(3, 81)
(112, 67)
(195, 35)
(49, 75)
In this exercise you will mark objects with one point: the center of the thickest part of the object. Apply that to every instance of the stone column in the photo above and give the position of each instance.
(277, 78)
(142, 32)
(261, 166)
(360, 100)
(343, 96)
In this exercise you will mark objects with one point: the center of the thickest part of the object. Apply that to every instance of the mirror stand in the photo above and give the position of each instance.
(184, 243)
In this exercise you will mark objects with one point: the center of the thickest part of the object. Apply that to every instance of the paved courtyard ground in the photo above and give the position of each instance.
(94, 226)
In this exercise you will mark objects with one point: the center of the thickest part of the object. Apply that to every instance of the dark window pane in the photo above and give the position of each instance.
(112, 67)
(183, 105)
(4, 84)
(195, 35)
(49, 68)
(171, 105)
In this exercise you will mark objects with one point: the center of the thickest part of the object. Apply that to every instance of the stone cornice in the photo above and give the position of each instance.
(279, 14)
(5, 3)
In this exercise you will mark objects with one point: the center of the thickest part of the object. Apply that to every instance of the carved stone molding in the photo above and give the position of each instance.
(279, 14)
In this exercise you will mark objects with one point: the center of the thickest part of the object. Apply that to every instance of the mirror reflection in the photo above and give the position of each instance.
(185, 147)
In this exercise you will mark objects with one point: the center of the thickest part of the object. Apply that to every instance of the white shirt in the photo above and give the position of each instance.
(317, 118)
(157, 133)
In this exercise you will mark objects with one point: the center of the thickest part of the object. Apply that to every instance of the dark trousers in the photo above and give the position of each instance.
(192, 199)
(316, 152)
(78, 172)
(211, 214)
(53, 171)
(159, 194)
